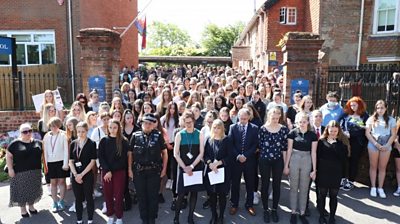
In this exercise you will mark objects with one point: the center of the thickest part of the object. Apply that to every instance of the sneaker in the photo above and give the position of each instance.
(397, 192)
(61, 205)
(381, 193)
(373, 192)
(256, 199)
(54, 208)
(72, 208)
(348, 185)
(97, 193)
(119, 221)
(104, 209)
(110, 220)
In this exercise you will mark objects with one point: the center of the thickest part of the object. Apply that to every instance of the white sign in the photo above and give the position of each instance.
(196, 178)
(39, 99)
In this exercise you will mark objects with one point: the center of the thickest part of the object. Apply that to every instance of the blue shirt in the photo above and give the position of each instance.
(272, 144)
(329, 114)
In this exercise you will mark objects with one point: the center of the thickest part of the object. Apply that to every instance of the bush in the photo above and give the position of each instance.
(3, 175)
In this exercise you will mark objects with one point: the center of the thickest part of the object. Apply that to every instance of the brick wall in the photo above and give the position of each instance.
(311, 16)
(11, 120)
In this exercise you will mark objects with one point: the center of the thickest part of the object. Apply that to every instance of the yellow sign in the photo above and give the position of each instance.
(272, 56)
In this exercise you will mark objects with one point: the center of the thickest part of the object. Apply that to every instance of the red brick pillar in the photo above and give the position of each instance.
(300, 60)
(100, 56)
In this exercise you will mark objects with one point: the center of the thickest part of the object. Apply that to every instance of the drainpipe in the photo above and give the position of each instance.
(71, 49)
(360, 33)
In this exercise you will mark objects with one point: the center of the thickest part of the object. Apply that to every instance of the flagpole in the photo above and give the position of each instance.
(134, 20)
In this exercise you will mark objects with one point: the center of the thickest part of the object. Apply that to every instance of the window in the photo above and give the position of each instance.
(386, 16)
(33, 47)
(287, 15)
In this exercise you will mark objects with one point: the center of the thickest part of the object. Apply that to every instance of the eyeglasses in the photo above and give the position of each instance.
(26, 132)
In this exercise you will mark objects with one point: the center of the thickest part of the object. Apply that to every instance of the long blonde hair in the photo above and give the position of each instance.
(46, 117)
(219, 123)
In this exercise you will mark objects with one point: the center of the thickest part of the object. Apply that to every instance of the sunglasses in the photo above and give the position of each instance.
(26, 132)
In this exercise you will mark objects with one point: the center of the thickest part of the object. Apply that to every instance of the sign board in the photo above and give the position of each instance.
(272, 63)
(5, 45)
(298, 84)
(272, 56)
(39, 99)
(98, 83)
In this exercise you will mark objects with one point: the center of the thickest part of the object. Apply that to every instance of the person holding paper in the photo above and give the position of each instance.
(273, 146)
(243, 137)
(216, 156)
(188, 152)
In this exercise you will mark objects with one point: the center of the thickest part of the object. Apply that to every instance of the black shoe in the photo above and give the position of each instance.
(173, 205)
(332, 220)
(293, 219)
(322, 220)
(303, 219)
(161, 198)
(26, 215)
(307, 212)
(184, 203)
(267, 216)
(33, 212)
(274, 216)
(206, 204)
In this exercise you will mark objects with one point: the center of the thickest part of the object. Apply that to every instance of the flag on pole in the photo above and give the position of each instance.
(60, 2)
(141, 27)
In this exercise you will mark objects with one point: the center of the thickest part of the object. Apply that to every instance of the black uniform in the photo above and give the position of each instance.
(147, 165)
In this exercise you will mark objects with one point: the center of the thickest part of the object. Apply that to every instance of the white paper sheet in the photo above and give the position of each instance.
(217, 178)
(196, 178)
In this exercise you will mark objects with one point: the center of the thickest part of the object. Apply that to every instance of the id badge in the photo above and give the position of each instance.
(78, 165)
(189, 155)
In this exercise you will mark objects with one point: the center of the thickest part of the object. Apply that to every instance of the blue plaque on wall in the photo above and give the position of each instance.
(99, 83)
(298, 84)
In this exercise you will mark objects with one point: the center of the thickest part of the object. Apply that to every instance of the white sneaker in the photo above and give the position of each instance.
(381, 193)
(72, 208)
(270, 196)
(397, 193)
(373, 192)
(256, 199)
(119, 221)
(110, 220)
(104, 209)
(97, 193)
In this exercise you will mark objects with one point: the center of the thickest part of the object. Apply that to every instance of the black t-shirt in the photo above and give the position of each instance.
(302, 142)
(198, 124)
(109, 159)
(84, 156)
(26, 156)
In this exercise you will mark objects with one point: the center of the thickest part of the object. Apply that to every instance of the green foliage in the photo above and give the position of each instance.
(3, 175)
(162, 35)
(218, 41)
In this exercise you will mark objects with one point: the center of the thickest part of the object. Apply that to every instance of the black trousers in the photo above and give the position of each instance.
(171, 171)
(84, 192)
(266, 168)
(333, 193)
(357, 150)
(147, 184)
(247, 169)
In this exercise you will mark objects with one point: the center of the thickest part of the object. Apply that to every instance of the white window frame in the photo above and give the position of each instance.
(9, 33)
(396, 19)
(285, 11)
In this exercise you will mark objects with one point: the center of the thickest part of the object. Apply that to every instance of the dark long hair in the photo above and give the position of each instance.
(175, 116)
(126, 112)
(385, 115)
(119, 138)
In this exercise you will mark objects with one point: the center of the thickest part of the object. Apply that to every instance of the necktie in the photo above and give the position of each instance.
(318, 135)
(243, 136)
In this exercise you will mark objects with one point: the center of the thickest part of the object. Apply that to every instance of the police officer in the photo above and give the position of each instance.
(147, 165)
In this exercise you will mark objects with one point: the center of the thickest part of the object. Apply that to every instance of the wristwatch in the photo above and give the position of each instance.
(191, 165)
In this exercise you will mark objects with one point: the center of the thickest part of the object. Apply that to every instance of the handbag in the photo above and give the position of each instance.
(382, 140)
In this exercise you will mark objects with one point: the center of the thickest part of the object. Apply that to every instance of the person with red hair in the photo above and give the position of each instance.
(353, 125)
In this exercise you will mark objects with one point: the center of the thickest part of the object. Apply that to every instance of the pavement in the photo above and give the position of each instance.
(355, 206)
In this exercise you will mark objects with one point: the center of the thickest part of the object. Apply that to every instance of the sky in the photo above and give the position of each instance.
(193, 16)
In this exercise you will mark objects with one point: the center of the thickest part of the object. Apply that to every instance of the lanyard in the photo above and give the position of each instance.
(79, 152)
(191, 141)
(53, 145)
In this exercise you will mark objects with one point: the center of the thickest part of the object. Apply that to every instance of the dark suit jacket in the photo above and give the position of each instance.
(321, 131)
(251, 142)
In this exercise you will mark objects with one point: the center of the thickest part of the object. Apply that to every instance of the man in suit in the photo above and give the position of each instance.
(243, 137)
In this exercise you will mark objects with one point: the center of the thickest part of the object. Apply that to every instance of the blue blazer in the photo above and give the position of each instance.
(235, 140)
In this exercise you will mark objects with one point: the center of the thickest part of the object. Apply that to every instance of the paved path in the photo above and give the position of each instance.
(354, 207)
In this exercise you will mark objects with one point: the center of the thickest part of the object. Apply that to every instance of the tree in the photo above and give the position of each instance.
(163, 35)
(218, 41)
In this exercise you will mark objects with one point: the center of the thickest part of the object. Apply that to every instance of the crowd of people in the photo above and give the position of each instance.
(165, 126)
